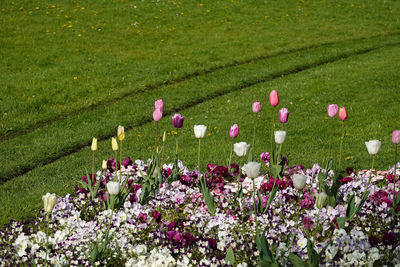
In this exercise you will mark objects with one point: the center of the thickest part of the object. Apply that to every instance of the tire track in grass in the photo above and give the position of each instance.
(161, 84)
(198, 101)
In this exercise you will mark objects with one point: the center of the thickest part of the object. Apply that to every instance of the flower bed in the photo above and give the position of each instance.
(175, 228)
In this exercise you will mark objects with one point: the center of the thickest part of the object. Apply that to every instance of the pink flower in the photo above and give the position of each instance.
(177, 120)
(342, 113)
(283, 115)
(234, 131)
(274, 98)
(159, 104)
(396, 137)
(256, 107)
(332, 110)
(157, 114)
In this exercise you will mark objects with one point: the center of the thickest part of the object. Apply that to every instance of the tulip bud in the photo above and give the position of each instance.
(121, 133)
(94, 144)
(373, 146)
(256, 107)
(321, 200)
(342, 113)
(164, 136)
(332, 110)
(114, 144)
(234, 131)
(49, 200)
(299, 181)
(200, 131)
(104, 165)
(113, 188)
(283, 115)
(241, 148)
(159, 104)
(274, 98)
(280, 137)
(157, 114)
(252, 169)
(396, 137)
(177, 120)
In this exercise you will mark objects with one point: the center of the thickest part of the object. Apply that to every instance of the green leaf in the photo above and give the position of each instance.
(93, 255)
(271, 197)
(230, 256)
(296, 260)
(312, 254)
(250, 157)
(260, 203)
(350, 206)
(341, 221)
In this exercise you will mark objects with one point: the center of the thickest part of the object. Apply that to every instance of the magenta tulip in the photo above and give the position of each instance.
(396, 137)
(157, 114)
(342, 113)
(256, 107)
(234, 131)
(283, 115)
(159, 104)
(177, 120)
(332, 110)
(274, 98)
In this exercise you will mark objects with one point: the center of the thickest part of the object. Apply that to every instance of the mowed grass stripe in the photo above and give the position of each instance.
(26, 129)
(61, 139)
(356, 82)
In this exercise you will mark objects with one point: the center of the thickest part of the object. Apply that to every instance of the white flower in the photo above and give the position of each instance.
(299, 181)
(49, 200)
(140, 249)
(241, 148)
(280, 137)
(373, 146)
(200, 131)
(321, 200)
(302, 242)
(113, 188)
(252, 169)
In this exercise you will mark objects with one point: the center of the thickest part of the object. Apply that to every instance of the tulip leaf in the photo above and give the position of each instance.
(296, 260)
(350, 206)
(250, 157)
(266, 256)
(260, 203)
(271, 197)
(341, 221)
(208, 198)
(230, 256)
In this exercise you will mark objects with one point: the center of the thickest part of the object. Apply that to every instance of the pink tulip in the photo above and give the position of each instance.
(332, 110)
(159, 104)
(274, 98)
(177, 120)
(342, 113)
(157, 114)
(234, 131)
(396, 137)
(256, 107)
(283, 115)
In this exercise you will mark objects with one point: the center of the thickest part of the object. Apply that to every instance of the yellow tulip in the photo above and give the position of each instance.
(94, 144)
(121, 133)
(114, 144)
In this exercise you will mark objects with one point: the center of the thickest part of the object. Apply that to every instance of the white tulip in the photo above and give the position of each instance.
(241, 148)
(49, 200)
(200, 131)
(373, 146)
(280, 137)
(299, 181)
(321, 200)
(252, 169)
(121, 133)
(113, 188)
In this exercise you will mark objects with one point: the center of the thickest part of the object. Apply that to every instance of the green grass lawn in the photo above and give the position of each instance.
(74, 70)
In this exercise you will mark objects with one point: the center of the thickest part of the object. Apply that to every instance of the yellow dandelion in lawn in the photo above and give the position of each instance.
(79, 35)
(53, 6)
(162, 40)
(75, 78)
(70, 26)
(82, 8)
(348, 157)
(37, 8)
(174, 70)
(208, 11)
(201, 4)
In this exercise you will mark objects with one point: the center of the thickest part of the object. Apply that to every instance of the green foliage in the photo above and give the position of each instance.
(152, 181)
(230, 256)
(266, 256)
(208, 198)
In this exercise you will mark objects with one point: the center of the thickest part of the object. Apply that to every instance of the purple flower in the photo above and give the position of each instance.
(332, 110)
(308, 223)
(265, 157)
(234, 131)
(389, 238)
(177, 120)
(127, 162)
(157, 216)
(142, 217)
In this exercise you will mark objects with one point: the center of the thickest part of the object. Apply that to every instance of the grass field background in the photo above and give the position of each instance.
(73, 70)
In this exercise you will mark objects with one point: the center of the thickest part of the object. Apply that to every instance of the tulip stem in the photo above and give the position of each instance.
(120, 161)
(395, 173)
(341, 145)
(330, 139)
(162, 154)
(254, 133)
(92, 167)
(176, 142)
(273, 127)
(198, 157)
(230, 156)
(157, 137)
(47, 236)
(255, 206)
